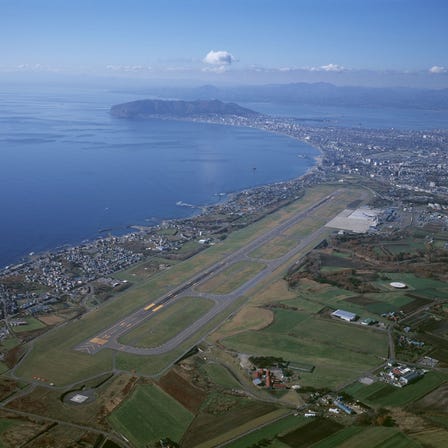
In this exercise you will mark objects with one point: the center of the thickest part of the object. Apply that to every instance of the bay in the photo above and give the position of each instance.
(69, 170)
(356, 117)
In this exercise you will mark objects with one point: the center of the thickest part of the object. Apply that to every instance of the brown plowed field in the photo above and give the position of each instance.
(311, 433)
(181, 390)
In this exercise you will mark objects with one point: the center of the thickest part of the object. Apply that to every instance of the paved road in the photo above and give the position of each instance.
(109, 338)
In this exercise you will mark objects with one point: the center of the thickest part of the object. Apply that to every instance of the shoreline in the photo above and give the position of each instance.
(201, 210)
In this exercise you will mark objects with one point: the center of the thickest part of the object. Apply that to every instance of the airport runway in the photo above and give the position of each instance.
(109, 338)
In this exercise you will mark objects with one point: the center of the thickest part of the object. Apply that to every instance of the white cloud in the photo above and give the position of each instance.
(128, 68)
(221, 58)
(217, 69)
(37, 68)
(438, 69)
(332, 68)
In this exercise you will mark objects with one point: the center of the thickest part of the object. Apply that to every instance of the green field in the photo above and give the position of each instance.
(386, 395)
(285, 425)
(240, 428)
(387, 302)
(149, 415)
(168, 322)
(339, 438)
(53, 352)
(339, 351)
(405, 245)
(314, 296)
(4, 425)
(155, 365)
(416, 282)
(275, 248)
(433, 438)
(221, 376)
(231, 278)
(377, 437)
(33, 324)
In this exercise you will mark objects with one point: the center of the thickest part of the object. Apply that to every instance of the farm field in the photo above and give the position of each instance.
(221, 376)
(339, 437)
(376, 437)
(386, 395)
(168, 322)
(6, 424)
(338, 350)
(314, 431)
(417, 282)
(435, 438)
(243, 428)
(223, 417)
(270, 432)
(149, 415)
(182, 390)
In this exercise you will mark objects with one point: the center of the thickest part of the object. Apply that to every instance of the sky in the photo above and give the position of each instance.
(365, 42)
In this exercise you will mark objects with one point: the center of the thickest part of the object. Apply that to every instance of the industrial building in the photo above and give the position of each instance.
(345, 315)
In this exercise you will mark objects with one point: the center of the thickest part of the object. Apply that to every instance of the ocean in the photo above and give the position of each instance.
(70, 172)
(356, 117)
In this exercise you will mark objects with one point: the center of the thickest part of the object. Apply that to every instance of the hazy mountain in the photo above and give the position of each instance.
(323, 94)
(146, 108)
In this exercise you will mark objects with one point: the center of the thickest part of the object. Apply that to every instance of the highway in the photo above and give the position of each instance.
(109, 337)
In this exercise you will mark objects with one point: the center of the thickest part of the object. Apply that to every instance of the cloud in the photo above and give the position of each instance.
(128, 68)
(332, 68)
(438, 69)
(221, 58)
(216, 69)
(37, 68)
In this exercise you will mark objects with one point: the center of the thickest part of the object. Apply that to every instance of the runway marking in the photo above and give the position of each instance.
(99, 341)
(146, 308)
(109, 337)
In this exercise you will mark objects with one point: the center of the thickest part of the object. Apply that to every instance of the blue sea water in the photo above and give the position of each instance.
(354, 117)
(68, 169)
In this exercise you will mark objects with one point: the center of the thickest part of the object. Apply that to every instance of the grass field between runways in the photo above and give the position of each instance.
(168, 322)
(231, 278)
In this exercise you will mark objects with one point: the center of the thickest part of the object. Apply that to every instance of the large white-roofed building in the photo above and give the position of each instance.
(345, 315)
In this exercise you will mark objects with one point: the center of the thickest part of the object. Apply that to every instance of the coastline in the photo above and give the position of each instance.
(200, 210)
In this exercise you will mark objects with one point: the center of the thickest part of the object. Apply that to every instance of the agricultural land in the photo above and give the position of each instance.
(293, 330)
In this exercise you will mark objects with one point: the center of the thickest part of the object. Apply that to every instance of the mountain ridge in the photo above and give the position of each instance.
(178, 108)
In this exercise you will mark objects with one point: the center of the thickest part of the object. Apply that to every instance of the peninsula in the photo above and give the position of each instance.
(179, 109)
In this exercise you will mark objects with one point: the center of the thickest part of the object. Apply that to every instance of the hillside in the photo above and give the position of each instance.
(148, 108)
